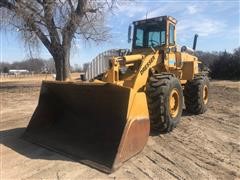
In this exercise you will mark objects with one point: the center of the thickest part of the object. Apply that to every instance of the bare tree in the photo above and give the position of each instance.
(56, 23)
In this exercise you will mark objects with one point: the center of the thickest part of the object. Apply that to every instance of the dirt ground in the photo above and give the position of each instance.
(201, 147)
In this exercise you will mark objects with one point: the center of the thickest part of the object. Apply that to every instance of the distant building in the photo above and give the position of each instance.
(18, 71)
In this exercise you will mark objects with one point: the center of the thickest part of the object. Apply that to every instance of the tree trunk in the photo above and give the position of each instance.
(62, 64)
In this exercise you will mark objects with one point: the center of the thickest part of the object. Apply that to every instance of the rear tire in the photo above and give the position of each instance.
(165, 100)
(196, 94)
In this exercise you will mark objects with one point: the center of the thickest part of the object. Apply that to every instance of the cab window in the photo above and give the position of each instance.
(149, 35)
(153, 38)
(139, 37)
(163, 35)
(171, 34)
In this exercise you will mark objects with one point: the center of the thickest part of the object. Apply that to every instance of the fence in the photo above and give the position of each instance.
(30, 76)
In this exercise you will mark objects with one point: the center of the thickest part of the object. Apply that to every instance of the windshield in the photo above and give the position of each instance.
(149, 36)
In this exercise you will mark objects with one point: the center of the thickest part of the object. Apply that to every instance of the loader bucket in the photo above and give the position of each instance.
(97, 124)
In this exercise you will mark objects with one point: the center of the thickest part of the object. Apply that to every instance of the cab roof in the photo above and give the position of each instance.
(156, 19)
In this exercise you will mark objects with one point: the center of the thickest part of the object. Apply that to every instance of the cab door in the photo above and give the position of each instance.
(172, 60)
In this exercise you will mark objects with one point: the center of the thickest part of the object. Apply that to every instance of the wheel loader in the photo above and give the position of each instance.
(106, 120)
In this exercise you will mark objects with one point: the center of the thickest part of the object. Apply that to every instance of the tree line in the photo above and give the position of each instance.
(37, 65)
(33, 65)
(221, 65)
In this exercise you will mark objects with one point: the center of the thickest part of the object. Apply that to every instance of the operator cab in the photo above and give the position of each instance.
(154, 33)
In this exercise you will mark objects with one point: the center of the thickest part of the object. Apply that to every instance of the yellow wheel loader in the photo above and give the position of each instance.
(106, 120)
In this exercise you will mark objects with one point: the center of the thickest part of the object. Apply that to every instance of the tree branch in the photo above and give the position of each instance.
(72, 24)
(55, 22)
(71, 5)
(6, 4)
(48, 17)
(80, 7)
(40, 2)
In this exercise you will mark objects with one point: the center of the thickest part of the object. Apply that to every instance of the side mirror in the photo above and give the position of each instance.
(129, 33)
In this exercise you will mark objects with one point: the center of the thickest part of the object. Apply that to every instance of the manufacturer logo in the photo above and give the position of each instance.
(147, 65)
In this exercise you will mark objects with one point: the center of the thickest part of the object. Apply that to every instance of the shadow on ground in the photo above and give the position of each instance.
(12, 139)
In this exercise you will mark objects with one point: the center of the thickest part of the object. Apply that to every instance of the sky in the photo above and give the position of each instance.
(217, 23)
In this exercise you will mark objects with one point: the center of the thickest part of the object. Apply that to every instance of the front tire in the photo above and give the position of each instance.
(165, 101)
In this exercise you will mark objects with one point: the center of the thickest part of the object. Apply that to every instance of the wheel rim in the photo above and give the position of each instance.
(205, 94)
(174, 103)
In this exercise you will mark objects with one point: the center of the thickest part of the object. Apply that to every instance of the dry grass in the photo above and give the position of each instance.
(32, 78)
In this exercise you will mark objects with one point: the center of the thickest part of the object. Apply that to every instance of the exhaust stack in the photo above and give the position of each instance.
(195, 42)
